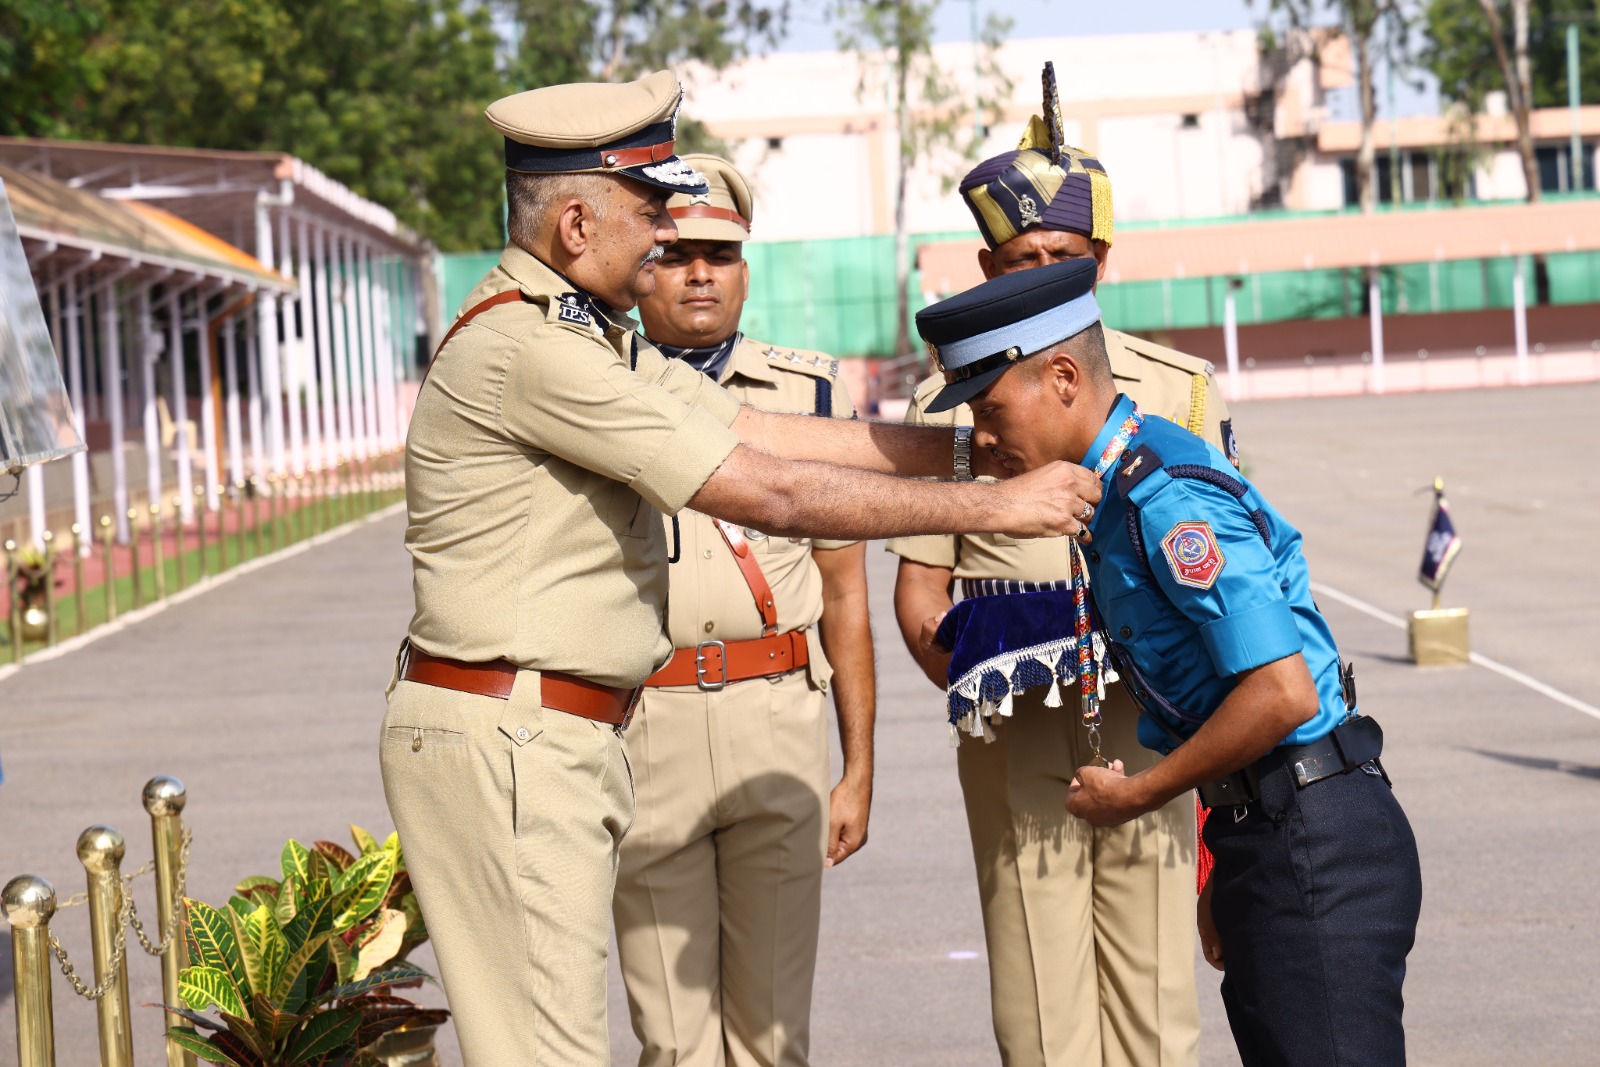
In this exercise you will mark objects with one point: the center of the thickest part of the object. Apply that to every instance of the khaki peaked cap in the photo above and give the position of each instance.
(595, 127)
(723, 213)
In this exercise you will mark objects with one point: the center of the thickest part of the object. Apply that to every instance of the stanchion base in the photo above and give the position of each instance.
(1439, 636)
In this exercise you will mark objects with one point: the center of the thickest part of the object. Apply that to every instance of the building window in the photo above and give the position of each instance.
(1555, 167)
(1190, 122)
(1443, 174)
(775, 144)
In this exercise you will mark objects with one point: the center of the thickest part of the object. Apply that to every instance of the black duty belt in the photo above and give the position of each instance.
(1349, 746)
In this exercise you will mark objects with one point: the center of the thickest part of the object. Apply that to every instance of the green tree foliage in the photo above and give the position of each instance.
(385, 96)
(1461, 55)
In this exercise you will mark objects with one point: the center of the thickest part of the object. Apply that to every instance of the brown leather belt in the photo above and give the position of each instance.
(713, 664)
(563, 692)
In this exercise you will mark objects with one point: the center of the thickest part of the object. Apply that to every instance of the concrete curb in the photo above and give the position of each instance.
(205, 585)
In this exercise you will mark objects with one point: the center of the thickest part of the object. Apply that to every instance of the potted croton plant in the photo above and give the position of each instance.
(301, 970)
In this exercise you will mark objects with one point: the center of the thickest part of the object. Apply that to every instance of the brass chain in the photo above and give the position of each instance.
(180, 884)
(127, 916)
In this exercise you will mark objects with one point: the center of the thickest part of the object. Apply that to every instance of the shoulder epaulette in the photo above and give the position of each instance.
(816, 364)
(1162, 354)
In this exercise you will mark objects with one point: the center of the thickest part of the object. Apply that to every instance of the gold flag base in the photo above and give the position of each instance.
(1439, 636)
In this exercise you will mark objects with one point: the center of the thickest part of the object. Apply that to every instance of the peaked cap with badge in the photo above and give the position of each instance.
(975, 336)
(1044, 182)
(598, 128)
(723, 212)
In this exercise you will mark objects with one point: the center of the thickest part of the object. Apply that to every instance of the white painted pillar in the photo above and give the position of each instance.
(260, 444)
(1519, 320)
(327, 364)
(1375, 302)
(208, 413)
(309, 348)
(1230, 340)
(182, 447)
(266, 367)
(383, 312)
(147, 355)
(36, 525)
(230, 373)
(71, 308)
(111, 370)
(293, 353)
(350, 355)
(367, 390)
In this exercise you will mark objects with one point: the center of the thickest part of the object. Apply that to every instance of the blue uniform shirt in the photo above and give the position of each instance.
(1197, 579)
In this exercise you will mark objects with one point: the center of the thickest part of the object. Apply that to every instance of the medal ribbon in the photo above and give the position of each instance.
(1089, 682)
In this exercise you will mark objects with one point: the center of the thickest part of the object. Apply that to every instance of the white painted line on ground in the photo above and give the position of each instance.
(1509, 673)
(72, 644)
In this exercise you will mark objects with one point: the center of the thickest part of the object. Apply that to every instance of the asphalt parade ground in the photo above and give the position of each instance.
(264, 695)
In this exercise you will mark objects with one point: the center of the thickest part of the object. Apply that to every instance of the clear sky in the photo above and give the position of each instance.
(809, 31)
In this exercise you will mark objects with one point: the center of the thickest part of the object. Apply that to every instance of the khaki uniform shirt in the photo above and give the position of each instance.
(1160, 380)
(709, 598)
(538, 466)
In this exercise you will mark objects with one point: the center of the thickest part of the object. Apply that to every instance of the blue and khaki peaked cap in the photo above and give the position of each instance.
(598, 128)
(975, 337)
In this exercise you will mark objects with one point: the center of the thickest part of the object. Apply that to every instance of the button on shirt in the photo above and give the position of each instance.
(538, 467)
(1196, 579)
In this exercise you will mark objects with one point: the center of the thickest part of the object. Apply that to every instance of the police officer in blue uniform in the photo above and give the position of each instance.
(1201, 594)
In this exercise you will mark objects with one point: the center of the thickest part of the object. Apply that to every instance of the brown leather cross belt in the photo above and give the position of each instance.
(563, 692)
(713, 664)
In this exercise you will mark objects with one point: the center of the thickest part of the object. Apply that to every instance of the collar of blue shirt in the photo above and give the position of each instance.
(1119, 414)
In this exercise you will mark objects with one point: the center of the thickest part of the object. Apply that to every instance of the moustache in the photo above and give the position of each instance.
(655, 253)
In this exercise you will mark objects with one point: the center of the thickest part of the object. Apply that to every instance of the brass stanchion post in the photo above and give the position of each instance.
(80, 595)
(133, 556)
(238, 523)
(29, 901)
(158, 551)
(223, 501)
(253, 493)
(14, 623)
(277, 484)
(52, 627)
(109, 567)
(200, 531)
(164, 798)
(100, 849)
(178, 547)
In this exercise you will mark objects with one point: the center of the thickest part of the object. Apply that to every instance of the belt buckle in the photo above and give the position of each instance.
(700, 666)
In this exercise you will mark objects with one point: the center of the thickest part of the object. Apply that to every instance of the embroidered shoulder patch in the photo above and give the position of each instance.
(1230, 443)
(1193, 554)
(573, 311)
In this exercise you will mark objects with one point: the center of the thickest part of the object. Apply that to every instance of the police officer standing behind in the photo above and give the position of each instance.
(1203, 595)
(1091, 955)
(546, 444)
(719, 888)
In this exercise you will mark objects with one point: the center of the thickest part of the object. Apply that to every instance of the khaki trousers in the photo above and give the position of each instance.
(509, 815)
(1090, 932)
(720, 889)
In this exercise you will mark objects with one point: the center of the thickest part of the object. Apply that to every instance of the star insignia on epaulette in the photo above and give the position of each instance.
(772, 353)
(795, 357)
(819, 361)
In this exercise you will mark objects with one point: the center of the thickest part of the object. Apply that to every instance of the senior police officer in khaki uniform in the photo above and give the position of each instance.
(719, 888)
(1090, 932)
(546, 444)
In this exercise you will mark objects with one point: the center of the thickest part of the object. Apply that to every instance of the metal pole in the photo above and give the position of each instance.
(100, 850)
(293, 350)
(200, 528)
(1519, 319)
(179, 549)
(230, 376)
(311, 341)
(1573, 97)
(75, 368)
(133, 558)
(29, 902)
(327, 366)
(1375, 302)
(164, 799)
(79, 593)
(51, 628)
(111, 371)
(208, 418)
(1230, 341)
(158, 550)
(13, 600)
(108, 567)
(269, 362)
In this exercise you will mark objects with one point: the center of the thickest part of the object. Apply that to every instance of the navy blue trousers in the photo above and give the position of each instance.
(1315, 895)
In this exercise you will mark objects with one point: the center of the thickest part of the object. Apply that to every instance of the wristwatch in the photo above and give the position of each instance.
(963, 453)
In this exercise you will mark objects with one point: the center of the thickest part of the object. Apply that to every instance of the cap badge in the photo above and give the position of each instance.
(1028, 210)
(700, 200)
(933, 356)
(675, 172)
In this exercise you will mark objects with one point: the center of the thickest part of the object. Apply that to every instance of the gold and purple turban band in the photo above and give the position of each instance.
(1020, 190)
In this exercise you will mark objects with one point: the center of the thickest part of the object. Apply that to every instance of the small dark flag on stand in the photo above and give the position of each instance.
(1443, 542)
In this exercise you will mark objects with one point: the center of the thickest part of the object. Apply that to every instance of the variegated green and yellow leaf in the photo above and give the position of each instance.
(201, 987)
(296, 860)
(256, 881)
(344, 959)
(288, 901)
(212, 941)
(385, 941)
(203, 1047)
(295, 963)
(363, 887)
(365, 842)
(328, 1031)
(265, 949)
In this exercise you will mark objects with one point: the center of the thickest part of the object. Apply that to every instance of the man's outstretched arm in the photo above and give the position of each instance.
(809, 499)
(887, 447)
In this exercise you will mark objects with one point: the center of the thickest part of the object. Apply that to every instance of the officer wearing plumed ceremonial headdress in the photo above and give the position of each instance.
(1115, 906)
